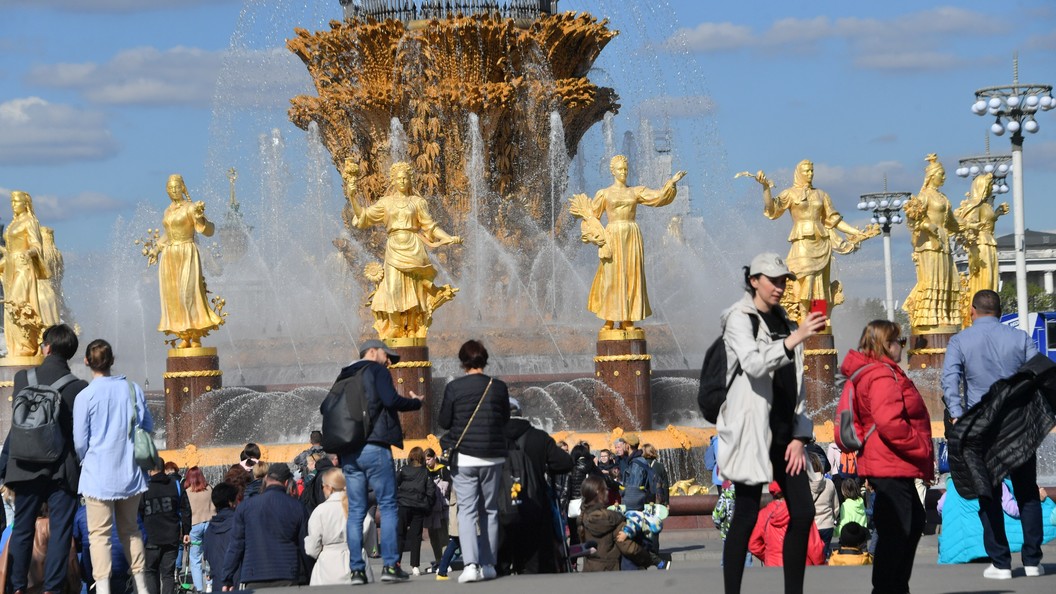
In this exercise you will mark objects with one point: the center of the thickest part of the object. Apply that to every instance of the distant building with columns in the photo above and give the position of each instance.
(1041, 259)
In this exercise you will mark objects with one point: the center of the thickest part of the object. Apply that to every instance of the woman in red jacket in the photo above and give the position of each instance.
(897, 453)
(768, 537)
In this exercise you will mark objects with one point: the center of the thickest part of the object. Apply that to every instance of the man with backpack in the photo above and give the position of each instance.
(529, 539)
(637, 477)
(36, 481)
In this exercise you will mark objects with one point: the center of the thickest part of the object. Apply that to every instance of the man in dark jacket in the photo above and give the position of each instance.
(218, 534)
(983, 353)
(530, 546)
(54, 483)
(166, 514)
(373, 462)
(268, 537)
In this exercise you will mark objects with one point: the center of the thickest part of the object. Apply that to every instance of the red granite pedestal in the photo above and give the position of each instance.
(624, 365)
(819, 375)
(413, 373)
(927, 352)
(189, 373)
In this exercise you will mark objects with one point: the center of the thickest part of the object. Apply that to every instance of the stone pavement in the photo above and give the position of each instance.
(696, 554)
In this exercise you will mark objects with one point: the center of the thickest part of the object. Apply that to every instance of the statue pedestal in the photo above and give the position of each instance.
(927, 352)
(9, 366)
(624, 366)
(189, 373)
(819, 376)
(414, 373)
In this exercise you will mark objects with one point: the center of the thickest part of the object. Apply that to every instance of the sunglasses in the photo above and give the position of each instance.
(901, 341)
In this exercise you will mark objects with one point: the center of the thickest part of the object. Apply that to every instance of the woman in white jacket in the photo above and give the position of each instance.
(326, 541)
(763, 426)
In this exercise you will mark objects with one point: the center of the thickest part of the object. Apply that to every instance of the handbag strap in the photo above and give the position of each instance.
(472, 416)
(131, 403)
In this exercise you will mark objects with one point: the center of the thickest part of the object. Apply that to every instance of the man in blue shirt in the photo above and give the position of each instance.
(980, 355)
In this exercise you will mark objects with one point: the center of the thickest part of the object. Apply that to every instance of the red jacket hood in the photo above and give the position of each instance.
(855, 360)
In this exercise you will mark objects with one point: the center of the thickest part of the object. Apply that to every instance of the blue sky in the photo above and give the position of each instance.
(101, 99)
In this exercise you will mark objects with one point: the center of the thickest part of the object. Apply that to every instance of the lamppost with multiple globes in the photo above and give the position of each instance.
(1015, 107)
(887, 210)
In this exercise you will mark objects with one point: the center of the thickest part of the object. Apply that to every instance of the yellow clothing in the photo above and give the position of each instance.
(618, 292)
(982, 254)
(23, 267)
(184, 304)
(408, 271)
(935, 299)
(848, 557)
(813, 222)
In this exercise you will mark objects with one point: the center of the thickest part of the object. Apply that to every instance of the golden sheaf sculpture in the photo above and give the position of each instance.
(406, 297)
(618, 294)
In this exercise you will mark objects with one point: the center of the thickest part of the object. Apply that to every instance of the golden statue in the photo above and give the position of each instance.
(405, 298)
(49, 290)
(814, 237)
(618, 294)
(22, 268)
(185, 307)
(976, 218)
(934, 303)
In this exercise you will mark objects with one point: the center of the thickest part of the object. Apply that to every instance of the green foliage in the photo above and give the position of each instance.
(1037, 298)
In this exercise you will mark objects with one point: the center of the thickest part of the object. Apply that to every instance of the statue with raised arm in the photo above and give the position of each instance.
(186, 311)
(976, 218)
(815, 236)
(934, 303)
(22, 269)
(406, 296)
(618, 294)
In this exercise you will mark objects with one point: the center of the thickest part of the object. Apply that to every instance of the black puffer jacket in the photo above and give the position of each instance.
(1004, 429)
(484, 438)
(582, 467)
(414, 489)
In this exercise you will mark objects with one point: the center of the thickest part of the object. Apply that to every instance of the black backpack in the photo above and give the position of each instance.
(346, 415)
(639, 484)
(35, 432)
(519, 487)
(713, 384)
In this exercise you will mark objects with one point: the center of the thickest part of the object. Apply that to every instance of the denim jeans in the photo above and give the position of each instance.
(372, 465)
(1025, 490)
(197, 532)
(30, 496)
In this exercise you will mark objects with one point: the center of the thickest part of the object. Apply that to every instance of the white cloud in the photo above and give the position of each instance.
(910, 41)
(104, 6)
(36, 132)
(1042, 42)
(51, 209)
(180, 76)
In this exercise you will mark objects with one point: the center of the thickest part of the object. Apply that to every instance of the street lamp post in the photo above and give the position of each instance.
(887, 210)
(1015, 106)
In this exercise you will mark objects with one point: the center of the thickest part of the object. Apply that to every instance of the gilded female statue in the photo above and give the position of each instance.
(618, 294)
(934, 302)
(406, 296)
(49, 291)
(185, 309)
(814, 237)
(976, 218)
(22, 269)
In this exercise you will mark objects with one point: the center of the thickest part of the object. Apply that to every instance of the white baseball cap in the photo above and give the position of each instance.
(771, 265)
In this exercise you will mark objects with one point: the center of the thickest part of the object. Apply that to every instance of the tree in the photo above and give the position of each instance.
(1037, 298)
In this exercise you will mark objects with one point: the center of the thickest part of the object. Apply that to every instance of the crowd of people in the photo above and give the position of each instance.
(503, 497)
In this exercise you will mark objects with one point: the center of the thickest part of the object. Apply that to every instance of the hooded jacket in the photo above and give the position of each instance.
(744, 419)
(385, 404)
(1004, 430)
(543, 451)
(768, 537)
(601, 525)
(901, 446)
(415, 490)
(825, 502)
(215, 542)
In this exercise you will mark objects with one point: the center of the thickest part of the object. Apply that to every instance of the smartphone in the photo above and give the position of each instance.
(819, 305)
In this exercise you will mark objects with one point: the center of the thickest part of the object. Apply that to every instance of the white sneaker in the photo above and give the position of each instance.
(993, 573)
(416, 571)
(1034, 571)
(488, 571)
(471, 573)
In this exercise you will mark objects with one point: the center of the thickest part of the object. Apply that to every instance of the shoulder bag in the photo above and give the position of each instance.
(143, 449)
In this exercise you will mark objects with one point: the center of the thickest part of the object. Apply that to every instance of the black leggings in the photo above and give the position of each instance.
(746, 512)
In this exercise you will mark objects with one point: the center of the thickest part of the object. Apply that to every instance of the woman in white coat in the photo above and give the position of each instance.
(763, 426)
(326, 541)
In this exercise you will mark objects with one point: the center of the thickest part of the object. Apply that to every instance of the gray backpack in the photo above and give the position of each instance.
(35, 432)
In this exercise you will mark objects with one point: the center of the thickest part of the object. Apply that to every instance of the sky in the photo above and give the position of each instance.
(100, 100)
